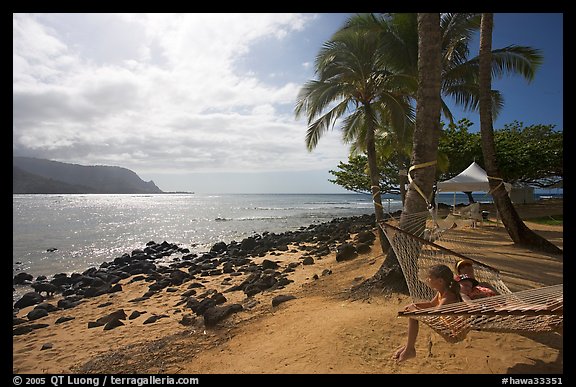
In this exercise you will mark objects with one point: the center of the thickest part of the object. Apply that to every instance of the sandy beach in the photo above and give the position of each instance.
(326, 328)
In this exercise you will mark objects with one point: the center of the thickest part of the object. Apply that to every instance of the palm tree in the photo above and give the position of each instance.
(425, 139)
(353, 85)
(399, 38)
(516, 228)
(460, 81)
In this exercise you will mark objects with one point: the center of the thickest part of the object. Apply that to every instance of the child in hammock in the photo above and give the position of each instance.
(470, 289)
(465, 267)
(441, 279)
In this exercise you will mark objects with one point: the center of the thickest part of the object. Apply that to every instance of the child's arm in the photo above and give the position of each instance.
(465, 297)
(423, 305)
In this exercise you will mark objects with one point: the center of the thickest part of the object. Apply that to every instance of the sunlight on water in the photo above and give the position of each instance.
(87, 230)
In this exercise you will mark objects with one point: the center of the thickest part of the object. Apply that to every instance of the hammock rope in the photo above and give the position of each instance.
(420, 242)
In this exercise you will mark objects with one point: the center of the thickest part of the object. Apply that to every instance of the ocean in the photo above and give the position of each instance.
(87, 230)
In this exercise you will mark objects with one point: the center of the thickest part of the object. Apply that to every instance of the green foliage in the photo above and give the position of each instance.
(556, 220)
(530, 155)
(353, 175)
(460, 146)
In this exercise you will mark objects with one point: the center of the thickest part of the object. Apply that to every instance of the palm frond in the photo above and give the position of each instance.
(516, 60)
(315, 96)
(512, 60)
(457, 31)
(325, 122)
(446, 111)
(400, 43)
(352, 126)
(468, 96)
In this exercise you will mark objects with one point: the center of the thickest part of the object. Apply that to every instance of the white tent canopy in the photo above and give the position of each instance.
(472, 179)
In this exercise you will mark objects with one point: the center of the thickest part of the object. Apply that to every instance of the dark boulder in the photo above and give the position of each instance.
(365, 237)
(45, 287)
(178, 276)
(62, 279)
(363, 248)
(308, 261)
(22, 278)
(113, 323)
(346, 251)
(219, 247)
(35, 314)
(18, 321)
(93, 291)
(45, 305)
(135, 315)
(23, 329)
(46, 346)
(154, 318)
(215, 314)
(116, 315)
(248, 244)
(282, 298)
(64, 319)
(68, 302)
(267, 264)
(28, 299)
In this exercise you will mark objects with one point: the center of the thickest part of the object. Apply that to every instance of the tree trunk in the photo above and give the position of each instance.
(375, 177)
(518, 231)
(402, 182)
(470, 197)
(427, 130)
(426, 133)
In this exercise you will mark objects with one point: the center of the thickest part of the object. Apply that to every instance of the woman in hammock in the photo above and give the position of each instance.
(441, 279)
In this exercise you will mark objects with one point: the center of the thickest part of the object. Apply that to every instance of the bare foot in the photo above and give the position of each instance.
(399, 352)
(407, 353)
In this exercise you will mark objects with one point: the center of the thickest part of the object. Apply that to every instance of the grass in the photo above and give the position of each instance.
(556, 220)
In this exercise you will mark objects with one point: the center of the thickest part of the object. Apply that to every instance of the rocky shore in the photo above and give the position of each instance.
(232, 265)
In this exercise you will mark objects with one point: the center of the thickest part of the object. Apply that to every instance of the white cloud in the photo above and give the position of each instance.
(157, 93)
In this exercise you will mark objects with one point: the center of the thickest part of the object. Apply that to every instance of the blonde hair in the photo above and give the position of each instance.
(463, 262)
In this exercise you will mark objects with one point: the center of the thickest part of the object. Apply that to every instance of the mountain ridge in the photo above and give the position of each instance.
(33, 175)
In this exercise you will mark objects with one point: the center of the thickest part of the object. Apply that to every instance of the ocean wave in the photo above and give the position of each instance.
(245, 218)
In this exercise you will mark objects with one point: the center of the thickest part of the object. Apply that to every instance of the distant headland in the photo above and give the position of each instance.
(39, 176)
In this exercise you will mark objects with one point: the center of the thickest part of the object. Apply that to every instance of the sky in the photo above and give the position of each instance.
(205, 102)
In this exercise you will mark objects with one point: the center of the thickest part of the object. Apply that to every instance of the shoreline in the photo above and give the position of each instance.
(553, 205)
(190, 221)
(177, 340)
(172, 255)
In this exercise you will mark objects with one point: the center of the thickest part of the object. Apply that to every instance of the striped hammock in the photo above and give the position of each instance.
(421, 242)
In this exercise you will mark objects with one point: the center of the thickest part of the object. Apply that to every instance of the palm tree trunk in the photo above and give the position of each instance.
(426, 133)
(470, 197)
(375, 177)
(518, 231)
(403, 179)
(427, 130)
